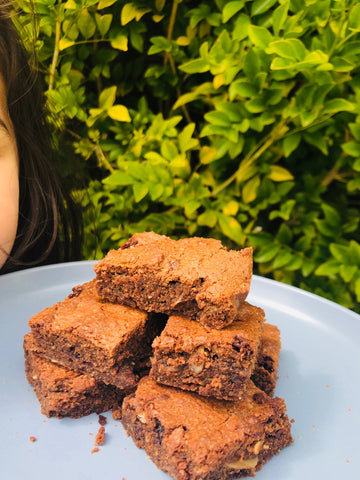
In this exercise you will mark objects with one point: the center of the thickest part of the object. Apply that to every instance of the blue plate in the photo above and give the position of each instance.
(318, 377)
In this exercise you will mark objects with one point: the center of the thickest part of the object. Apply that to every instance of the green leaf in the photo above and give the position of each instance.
(70, 5)
(160, 4)
(307, 267)
(231, 8)
(249, 192)
(294, 264)
(131, 12)
(354, 18)
(185, 139)
(160, 44)
(86, 24)
(240, 30)
(332, 216)
(184, 99)
(291, 48)
(329, 268)
(242, 88)
(279, 174)
(317, 140)
(291, 143)
(168, 150)
(267, 253)
(103, 23)
(342, 64)
(207, 219)
(260, 36)
(357, 289)
(255, 105)
(261, 6)
(65, 43)
(338, 105)
(325, 228)
(285, 210)
(155, 190)
(119, 178)
(119, 113)
(70, 30)
(341, 253)
(199, 65)
(284, 235)
(154, 157)
(282, 259)
(347, 272)
(260, 239)
(355, 130)
(231, 208)
(217, 118)
(353, 185)
(354, 250)
(105, 3)
(351, 148)
(251, 64)
(107, 97)
(191, 207)
(180, 166)
(207, 154)
(231, 228)
(279, 17)
(140, 191)
(120, 42)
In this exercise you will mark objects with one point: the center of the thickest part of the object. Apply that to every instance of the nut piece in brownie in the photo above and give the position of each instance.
(103, 340)
(199, 438)
(214, 363)
(63, 392)
(266, 369)
(194, 277)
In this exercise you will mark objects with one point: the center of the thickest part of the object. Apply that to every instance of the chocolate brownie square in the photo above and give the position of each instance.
(194, 277)
(63, 392)
(200, 438)
(265, 374)
(214, 363)
(106, 341)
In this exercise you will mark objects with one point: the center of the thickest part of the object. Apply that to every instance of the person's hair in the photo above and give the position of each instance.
(49, 226)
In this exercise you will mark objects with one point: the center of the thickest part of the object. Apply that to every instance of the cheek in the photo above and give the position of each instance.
(9, 201)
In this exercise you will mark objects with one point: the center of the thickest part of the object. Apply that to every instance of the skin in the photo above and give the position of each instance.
(9, 179)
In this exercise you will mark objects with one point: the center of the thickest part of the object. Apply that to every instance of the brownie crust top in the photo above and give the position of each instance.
(229, 420)
(184, 335)
(201, 269)
(82, 314)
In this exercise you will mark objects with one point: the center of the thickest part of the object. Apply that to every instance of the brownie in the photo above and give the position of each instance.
(194, 277)
(106, 341)
(199, 438)
(65, 393)
(215, 363)
(265, 374)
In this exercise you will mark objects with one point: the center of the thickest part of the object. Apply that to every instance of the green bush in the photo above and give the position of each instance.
(238, 120)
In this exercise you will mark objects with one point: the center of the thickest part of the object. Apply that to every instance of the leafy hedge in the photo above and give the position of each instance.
(233, 119)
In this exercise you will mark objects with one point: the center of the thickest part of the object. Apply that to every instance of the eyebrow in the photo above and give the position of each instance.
(3, 126)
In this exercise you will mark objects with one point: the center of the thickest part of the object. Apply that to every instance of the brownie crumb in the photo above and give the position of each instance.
(100, 436)
(32, 439)
(94, 450)
(102, 420)
(116, 412)
(75, 292)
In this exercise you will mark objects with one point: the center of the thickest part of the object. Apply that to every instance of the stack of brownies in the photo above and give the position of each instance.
(164, 330)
